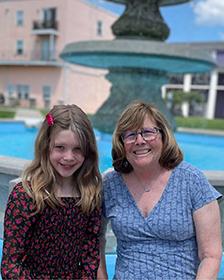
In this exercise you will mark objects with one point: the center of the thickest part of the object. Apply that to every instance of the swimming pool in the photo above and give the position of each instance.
(204, 151)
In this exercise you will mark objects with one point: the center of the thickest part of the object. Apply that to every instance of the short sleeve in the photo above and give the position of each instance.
(202, 192)
(108, 182)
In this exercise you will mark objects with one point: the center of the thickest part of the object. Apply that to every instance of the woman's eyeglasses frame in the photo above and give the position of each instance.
(148, 134)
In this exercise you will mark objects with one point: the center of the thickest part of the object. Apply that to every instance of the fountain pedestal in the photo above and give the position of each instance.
(129, 84)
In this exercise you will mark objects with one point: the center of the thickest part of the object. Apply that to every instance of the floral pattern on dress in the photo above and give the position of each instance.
(61, 243)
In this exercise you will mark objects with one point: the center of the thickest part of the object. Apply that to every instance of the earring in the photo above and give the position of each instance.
(125, 163)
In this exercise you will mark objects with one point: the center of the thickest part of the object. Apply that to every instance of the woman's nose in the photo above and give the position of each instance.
(139, 138)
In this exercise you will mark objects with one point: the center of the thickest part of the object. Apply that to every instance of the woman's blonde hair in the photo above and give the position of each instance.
(133, 118)
(39, 177)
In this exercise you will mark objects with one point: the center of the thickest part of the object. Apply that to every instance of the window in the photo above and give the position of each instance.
(47, 96)
(46, 92)
(19, 18)
(99, 28)
(221, 79)
(23, 92)
(220, 57)
(19, 47)
(176, 79)
(49, 18)
(201, 79)
(10, 90)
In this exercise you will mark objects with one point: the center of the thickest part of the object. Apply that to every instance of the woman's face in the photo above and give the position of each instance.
(142, 151)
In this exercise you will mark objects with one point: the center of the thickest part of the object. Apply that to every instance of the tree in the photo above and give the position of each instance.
(176, 99)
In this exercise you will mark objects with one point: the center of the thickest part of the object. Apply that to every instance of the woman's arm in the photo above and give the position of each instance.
(102, 270)
(208, 233)
(17, 223)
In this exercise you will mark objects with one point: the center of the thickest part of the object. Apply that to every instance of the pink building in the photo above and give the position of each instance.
(32, 35)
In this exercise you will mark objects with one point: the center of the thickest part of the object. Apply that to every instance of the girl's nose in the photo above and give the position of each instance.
(68, 155)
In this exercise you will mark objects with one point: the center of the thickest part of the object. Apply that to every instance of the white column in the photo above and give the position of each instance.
(52, 47)
(163, 91)
(186, 88)
(212, 95)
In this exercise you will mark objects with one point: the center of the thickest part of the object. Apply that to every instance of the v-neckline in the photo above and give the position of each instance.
(150, 213)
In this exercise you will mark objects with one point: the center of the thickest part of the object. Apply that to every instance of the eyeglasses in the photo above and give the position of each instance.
(148, 134)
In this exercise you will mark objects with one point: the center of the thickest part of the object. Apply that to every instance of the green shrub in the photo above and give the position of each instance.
(200, 123)
(7, 114)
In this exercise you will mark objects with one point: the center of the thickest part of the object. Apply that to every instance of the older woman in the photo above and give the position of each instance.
(163, 211)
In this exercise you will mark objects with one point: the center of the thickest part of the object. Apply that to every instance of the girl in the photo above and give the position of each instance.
(52, 220)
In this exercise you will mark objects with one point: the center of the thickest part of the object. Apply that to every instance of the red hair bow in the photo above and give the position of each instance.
(50, 119)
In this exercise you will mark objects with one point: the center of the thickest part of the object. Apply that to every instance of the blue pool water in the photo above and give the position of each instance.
(204, 151)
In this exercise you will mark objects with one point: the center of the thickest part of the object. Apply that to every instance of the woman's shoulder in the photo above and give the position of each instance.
(112, 180)
(185, 168)
(109, 174)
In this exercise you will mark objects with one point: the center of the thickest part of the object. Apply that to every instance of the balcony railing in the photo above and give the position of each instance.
(46, 24)
(32, 56)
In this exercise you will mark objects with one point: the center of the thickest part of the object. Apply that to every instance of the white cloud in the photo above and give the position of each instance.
(209, 12)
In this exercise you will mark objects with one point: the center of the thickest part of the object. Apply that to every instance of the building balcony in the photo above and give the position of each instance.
(33, 57)
(46, 24)
(45, 27)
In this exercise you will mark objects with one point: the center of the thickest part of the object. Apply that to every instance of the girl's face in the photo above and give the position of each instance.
(66, 156)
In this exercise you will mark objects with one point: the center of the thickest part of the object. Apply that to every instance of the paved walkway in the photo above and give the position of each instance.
(31, 117)
(201, 131)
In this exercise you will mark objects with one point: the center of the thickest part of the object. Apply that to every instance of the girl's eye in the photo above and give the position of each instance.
(77, 150)
(59, 147)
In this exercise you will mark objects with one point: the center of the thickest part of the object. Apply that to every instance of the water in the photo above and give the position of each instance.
(204, 151)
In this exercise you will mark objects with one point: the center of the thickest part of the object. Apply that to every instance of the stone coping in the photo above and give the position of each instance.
(201, 131)
(14, 166)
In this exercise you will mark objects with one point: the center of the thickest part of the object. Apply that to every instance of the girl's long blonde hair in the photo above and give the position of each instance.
(39, 177)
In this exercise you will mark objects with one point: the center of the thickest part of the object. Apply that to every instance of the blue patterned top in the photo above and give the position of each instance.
(162, 245)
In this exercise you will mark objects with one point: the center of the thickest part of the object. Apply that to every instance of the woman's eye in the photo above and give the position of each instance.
(130, 135)
(148, 132)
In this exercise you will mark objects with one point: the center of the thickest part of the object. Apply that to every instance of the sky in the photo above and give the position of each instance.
(194, 21)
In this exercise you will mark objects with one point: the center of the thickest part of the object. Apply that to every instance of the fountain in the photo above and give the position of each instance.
(138, 60)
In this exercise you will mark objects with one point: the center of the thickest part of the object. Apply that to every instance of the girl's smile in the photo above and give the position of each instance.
(65, 155)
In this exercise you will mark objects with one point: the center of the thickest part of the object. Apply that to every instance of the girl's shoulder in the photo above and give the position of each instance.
(21, 190)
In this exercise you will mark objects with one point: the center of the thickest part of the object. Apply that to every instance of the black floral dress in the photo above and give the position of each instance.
(61, 243)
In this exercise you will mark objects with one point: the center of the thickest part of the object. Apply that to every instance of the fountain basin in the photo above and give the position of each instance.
(142, 54)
